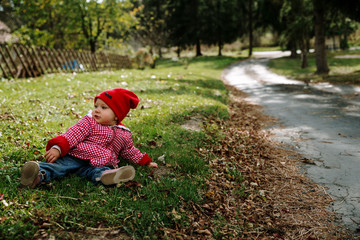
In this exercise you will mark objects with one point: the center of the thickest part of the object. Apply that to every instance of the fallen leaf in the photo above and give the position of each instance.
(175, 214)
(210, 194)
(5, 203)
(205, 231)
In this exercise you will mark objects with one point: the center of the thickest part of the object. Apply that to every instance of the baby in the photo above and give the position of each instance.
(91, 147)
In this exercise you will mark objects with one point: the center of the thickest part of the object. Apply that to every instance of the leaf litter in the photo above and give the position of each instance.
(256, 190)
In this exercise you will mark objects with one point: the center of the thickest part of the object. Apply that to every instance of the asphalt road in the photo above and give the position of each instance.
(321, 121)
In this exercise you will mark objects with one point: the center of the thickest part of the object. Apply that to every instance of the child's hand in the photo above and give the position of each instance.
(153, 164)
(52, 155)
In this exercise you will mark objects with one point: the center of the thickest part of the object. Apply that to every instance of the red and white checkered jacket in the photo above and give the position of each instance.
(89, 140)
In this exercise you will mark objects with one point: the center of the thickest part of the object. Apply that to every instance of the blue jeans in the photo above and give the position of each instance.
(69, 164)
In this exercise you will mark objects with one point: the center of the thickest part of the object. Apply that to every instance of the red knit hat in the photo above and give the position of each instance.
(120, 101)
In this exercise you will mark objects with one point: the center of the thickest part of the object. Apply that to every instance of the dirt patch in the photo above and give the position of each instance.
(161, 171)
(7, 116)
(193, 124)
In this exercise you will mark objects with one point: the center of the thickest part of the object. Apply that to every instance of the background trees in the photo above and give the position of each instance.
(152, 28)
(107, 24)
(187, 24)
(221, 26)
(297, 16)
(71, 23)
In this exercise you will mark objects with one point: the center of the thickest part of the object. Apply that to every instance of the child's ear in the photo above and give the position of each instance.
(116, 118)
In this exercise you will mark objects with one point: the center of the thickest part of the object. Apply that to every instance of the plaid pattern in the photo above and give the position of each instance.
(102, 145)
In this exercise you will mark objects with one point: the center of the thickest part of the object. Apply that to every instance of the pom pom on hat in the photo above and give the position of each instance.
(120, 101)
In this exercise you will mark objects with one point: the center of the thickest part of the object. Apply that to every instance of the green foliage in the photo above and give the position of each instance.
(222, 22)
(36, 36)
(151, 30)
(186, 23)
(34, 110)
(107, 24)
(73, 24)
(298, 16)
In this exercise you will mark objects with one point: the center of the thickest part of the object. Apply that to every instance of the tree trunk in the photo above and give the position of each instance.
(304, 62)
(92, 46)
(198, 48)
(250, 27)
(308, 45)
(220, 45)
(293, 49)
(320, 49)
(343, 43)
(178, 51)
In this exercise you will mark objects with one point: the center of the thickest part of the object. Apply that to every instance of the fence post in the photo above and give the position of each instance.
(7, 65)
(22, 62)
(47, 67)
(37, 59)
(29, 65)
(33, 63)
(62, 60)
(81, 58)
(52, 60)
(88, 60)
(11, 60)
(106, 61)
(56, 59)
(67, 59)
(93, 59)
(74, 58)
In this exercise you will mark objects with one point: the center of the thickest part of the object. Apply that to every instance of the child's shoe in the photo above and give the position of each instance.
(114, 176)
(30, 174)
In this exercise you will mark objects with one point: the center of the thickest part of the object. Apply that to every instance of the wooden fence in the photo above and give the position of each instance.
(20, 61)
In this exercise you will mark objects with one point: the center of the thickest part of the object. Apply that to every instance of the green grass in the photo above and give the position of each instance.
(34, 110)
(344, 68)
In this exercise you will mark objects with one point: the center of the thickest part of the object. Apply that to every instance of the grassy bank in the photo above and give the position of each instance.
(344, 68)
(34, 110)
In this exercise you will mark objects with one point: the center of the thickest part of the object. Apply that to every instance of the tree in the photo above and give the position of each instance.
(340, 26)
(350, 9)
(95, 18)
(320, 8)
(258, 15)
(343, 16)
(328, 19)
(40, 22)
(250, 24)
(248, 9)
(151, 30)
(298, 18)
(71, 23)
(186, 23)
(196, 12)
(221, 23)
(212, 22)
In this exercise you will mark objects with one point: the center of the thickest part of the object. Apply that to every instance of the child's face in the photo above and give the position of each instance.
(103, 114)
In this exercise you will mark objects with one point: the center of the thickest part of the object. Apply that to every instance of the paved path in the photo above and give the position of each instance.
(321, 121)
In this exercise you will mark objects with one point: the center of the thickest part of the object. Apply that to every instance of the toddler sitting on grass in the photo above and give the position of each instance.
(91, 147)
